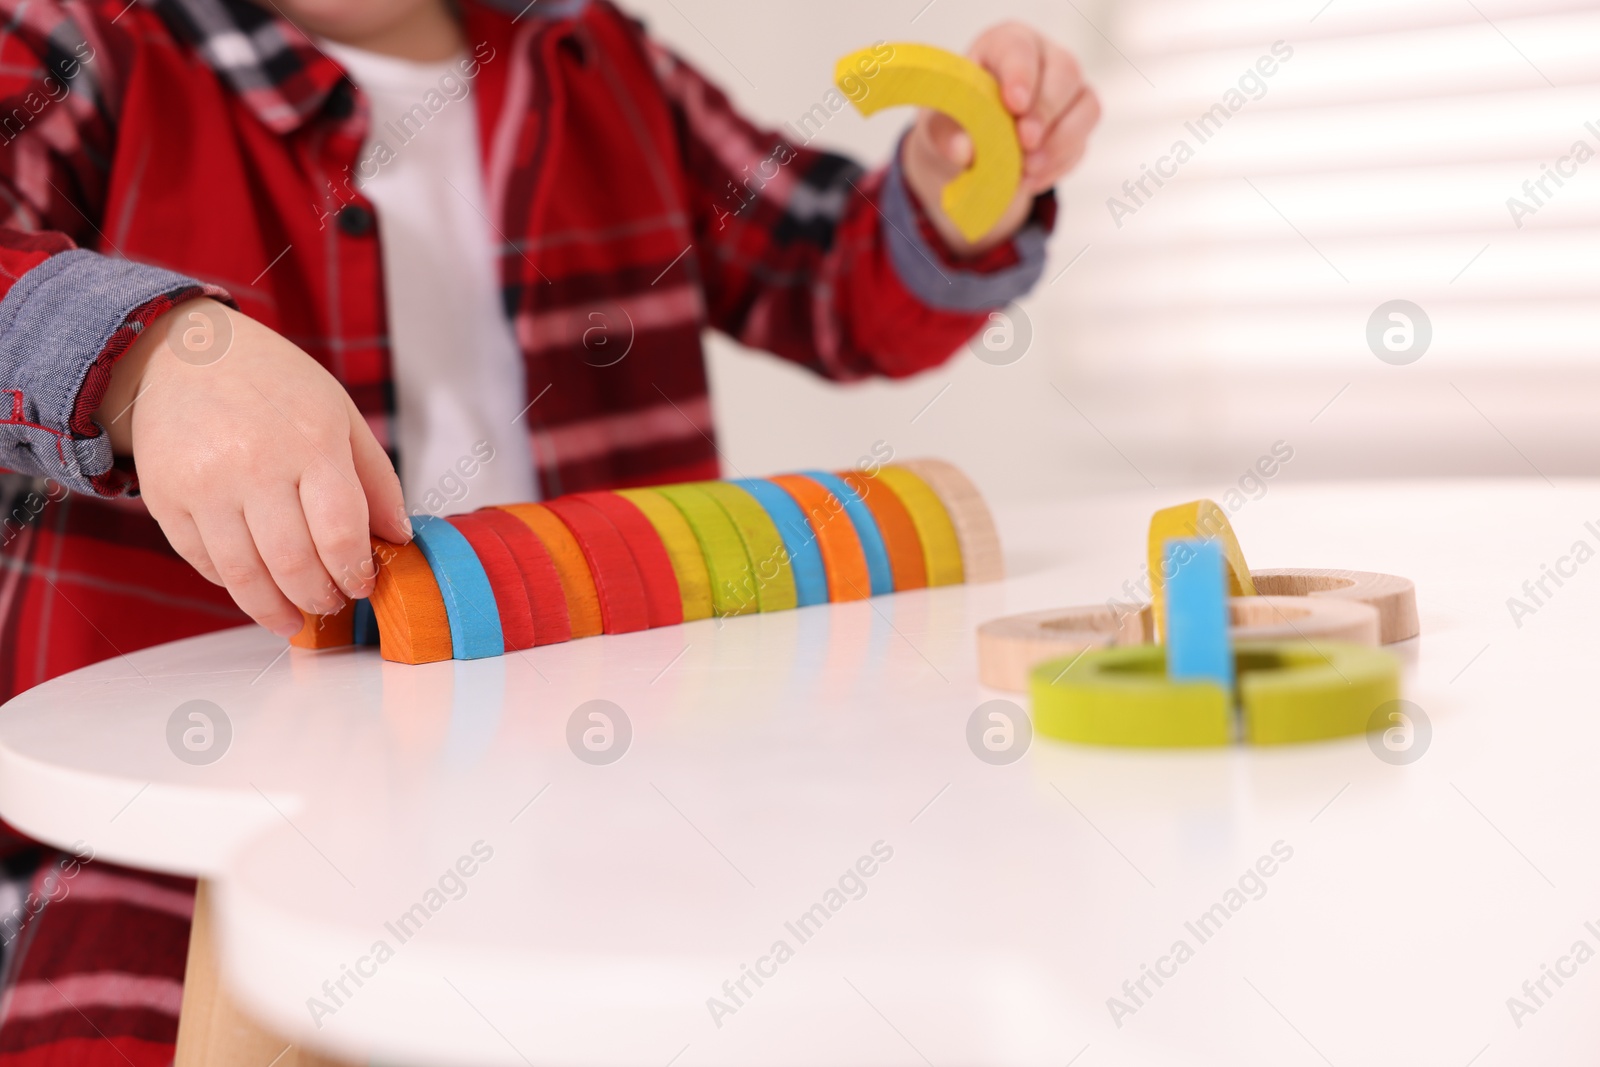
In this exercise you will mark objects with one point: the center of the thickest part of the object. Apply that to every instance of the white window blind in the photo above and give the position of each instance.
(1444, 152)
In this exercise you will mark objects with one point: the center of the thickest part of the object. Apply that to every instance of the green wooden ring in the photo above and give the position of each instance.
(1303, 691)
(772, 586)
(727, 563)
(1121, 696)
(1289, 691)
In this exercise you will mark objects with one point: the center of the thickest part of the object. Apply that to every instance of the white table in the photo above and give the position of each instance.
(770, 753)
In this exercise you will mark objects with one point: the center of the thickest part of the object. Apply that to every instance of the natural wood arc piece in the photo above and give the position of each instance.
(688, 564)
(412, 624)
(907, 561)
(981, 557)
(1010, 647)
(1393, 597)
(577, 584)
(842, 557)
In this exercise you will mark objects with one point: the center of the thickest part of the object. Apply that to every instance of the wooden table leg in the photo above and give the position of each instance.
(212, 1031)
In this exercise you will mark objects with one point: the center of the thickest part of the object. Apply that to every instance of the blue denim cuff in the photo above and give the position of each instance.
(939, 285)
(54, 324)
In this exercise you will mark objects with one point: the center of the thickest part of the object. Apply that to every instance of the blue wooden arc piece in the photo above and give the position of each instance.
(805, 558)
(882, 578)
(469, 602)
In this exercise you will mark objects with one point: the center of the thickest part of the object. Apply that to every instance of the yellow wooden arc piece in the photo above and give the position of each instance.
(924, 76)
(683, 549)
(1197, 518)
(940, 546)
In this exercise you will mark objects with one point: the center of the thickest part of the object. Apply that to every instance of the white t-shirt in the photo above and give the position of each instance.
(458, 373)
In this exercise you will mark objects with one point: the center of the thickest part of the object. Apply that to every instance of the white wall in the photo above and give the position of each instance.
(1088, 408)
(776, 60)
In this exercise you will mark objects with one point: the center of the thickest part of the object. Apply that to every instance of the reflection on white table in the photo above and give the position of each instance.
(800, 860)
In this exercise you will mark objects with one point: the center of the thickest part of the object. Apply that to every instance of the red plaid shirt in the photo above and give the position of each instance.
(153, 151)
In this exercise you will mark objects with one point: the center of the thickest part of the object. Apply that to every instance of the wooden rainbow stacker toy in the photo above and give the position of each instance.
(504, 579)
(1266, 657)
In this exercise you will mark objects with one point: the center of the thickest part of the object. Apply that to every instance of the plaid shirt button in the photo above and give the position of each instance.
(354, 220)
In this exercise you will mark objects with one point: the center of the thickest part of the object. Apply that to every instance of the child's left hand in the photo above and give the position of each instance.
(1055, 110)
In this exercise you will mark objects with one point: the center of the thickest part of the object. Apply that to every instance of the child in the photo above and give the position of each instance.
(252, 257)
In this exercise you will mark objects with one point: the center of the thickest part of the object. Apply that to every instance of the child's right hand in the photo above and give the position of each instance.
(255, 462)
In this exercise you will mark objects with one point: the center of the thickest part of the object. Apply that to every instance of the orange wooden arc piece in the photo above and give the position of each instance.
(842, 558)
(327, 631)
(907, 561)
(412, 624)
(583, 599)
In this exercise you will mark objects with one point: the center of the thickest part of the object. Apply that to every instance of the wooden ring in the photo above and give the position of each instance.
(1394, 598)
(577, 584)
(688, 564)
(1289, 691)
(1010, 647)
(805, 558)
(662, 599)
(981, 556)
(616, 577)
(908, 564)
(842, 559)
(413, 626)
(941, 549)
(880, 575)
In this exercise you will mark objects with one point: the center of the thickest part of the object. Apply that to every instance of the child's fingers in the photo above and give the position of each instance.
(1065, 144)
(1059, 89)
(284, 543)
(1014, 53)
(232, 550)
(335, 508)
(386, 506)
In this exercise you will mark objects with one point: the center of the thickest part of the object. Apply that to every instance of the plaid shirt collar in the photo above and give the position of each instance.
(275, 67)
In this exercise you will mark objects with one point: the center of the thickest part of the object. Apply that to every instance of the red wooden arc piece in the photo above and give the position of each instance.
(505, 578)
(663, 599)
(547, 601)
(616, 579)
